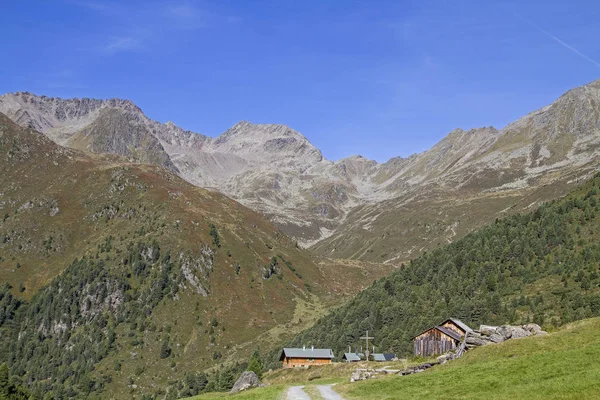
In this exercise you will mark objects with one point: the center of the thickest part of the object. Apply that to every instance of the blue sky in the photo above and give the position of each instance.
(375, 78)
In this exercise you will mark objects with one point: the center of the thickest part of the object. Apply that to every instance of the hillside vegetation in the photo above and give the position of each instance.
(541, 267)
(558, 366)
(120, 280)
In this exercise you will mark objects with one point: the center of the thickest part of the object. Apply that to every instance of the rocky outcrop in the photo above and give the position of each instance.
(247, 380)
(496, 334)
(361, 374)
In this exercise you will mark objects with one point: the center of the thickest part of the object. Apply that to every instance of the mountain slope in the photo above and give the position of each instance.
(541, 266)
(351, 208)
(128, 265)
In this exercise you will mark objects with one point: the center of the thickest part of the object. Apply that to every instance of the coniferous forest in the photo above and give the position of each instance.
(51, 345)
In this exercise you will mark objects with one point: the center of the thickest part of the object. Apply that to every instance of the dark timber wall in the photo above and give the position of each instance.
(433, 342)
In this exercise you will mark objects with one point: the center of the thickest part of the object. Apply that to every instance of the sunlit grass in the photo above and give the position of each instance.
(274, 392)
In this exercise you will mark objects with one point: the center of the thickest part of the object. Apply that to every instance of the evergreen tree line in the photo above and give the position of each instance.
(540, 267)
(54, 342)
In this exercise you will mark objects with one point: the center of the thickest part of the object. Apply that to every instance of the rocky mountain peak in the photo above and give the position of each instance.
(265, 142)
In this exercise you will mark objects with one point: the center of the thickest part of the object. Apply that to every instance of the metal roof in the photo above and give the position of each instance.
(458, 323)
(389, 356)
(306, 353)
(351, 357)
(378, 357)
(449, 332)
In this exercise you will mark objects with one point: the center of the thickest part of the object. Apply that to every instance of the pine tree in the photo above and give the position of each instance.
(165, 350)
(255, 365)
(4, 382)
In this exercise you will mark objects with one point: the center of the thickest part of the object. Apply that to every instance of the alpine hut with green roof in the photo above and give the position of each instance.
(304, 357)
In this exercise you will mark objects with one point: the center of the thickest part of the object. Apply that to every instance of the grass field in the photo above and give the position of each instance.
(274, 392)
(562, 365)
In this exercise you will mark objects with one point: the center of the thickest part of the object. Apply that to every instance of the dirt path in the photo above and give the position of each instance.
(328, 393)
(296, 393)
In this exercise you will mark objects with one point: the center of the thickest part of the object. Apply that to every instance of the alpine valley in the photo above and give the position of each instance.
(141, 260)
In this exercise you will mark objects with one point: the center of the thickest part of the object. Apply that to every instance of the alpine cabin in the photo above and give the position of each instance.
(304, 357)
(440, 339)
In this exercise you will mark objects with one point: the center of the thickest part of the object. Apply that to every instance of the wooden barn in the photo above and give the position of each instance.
(304, 357)
(440, 339)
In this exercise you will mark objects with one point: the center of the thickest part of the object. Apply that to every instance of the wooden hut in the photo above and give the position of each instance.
(305, 357)
(440, 339)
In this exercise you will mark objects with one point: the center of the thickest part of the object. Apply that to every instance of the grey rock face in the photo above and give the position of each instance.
(247, 380)
(519, 333)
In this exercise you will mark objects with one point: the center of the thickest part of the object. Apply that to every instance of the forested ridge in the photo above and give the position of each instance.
(539, 267)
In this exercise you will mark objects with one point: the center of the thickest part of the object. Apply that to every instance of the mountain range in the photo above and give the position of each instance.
(351, 208)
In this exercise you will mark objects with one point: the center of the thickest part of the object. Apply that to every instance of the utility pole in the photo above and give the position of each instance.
(367, 337)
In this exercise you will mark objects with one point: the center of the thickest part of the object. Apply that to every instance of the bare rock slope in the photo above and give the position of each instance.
(354, 207)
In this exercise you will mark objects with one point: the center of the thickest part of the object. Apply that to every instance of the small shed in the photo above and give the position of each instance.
(351, 357)
(436, 340)
(383, 357)
(304, 357)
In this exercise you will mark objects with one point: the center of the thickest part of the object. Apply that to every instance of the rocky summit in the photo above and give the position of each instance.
(351, 208)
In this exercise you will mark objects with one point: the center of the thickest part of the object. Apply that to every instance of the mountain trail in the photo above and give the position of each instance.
(328, 393)
(296, 393)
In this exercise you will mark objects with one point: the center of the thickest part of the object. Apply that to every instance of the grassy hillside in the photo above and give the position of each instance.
(558, 366)
(542, 267)
(121, 279)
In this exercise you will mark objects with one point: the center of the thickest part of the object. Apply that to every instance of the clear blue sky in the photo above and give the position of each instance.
(376, 78)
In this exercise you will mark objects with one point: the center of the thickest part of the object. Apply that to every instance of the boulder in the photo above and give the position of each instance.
(535, 329)
(445, 357)
(495, 338)
(505, 331)
(487, 330)
(247, 380)
(361, 375)
(476, 340)
(518, 332)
